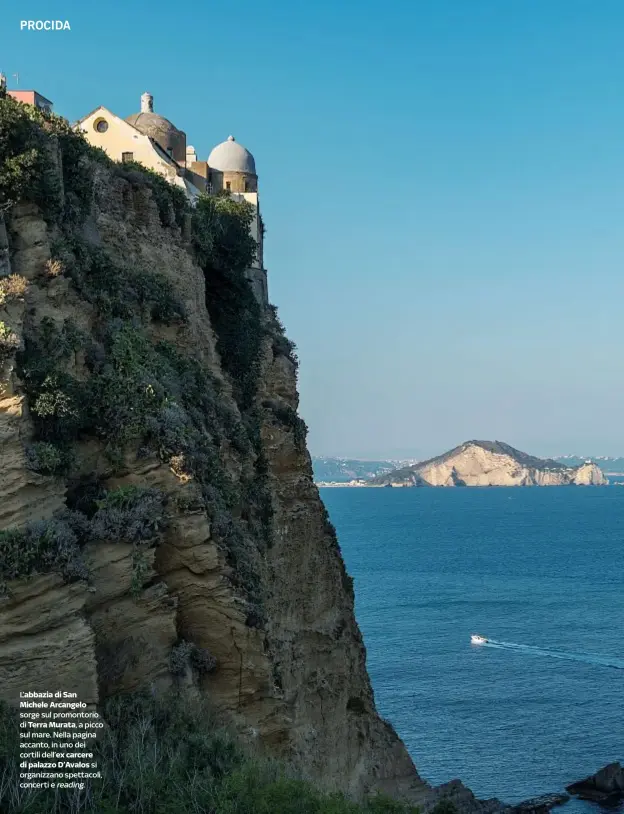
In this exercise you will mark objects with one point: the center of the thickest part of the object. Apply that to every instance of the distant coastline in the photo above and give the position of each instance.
(346, 485)
(324, 485)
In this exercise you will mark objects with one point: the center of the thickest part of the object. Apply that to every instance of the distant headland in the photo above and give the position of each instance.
(480, 463)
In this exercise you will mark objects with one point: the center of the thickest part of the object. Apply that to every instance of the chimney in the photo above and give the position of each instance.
(147, 103)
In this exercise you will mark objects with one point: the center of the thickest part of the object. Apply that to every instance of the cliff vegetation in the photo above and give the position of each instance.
(160, 530)
(166, 756)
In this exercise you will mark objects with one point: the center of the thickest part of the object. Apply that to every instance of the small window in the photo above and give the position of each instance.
(101, 125)
(228, 185)
(246, 185)
(209, 188)
(125, 157)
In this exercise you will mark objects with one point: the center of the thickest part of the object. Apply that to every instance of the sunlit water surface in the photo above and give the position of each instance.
(540, 573)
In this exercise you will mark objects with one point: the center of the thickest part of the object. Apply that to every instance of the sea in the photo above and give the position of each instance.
(540, 573)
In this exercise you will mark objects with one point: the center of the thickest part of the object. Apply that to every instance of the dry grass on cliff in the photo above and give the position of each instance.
(53, 268)
(167, 756)
(12, 287)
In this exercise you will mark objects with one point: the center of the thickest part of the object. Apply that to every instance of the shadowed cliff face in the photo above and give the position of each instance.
(290, 671)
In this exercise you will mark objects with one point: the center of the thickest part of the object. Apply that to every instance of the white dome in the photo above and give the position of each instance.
(230, 156)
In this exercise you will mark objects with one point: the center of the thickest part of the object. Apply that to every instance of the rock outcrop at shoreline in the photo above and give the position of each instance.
(491, 463)
(606, 786)
(539, 805)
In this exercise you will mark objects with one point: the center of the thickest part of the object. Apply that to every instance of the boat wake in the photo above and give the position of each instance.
(529, 650)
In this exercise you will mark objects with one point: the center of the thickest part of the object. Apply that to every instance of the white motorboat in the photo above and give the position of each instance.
(476, 639)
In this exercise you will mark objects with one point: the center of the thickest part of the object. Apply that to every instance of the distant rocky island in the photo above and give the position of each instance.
(488, 463)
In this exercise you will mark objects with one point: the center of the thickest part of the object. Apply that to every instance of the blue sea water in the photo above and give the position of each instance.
(539, 571)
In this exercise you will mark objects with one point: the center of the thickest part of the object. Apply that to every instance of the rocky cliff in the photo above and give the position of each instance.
(159, 525)
(491, 463)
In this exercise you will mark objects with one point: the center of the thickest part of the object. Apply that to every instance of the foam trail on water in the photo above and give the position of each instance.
(586, 658)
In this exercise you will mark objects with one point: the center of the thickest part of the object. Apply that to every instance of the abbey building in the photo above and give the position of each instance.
(152, 140)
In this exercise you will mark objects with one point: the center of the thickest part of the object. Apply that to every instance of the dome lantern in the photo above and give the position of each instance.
(161, 130)
(147, 103)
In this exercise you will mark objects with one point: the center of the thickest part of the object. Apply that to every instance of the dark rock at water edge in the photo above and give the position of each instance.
(539, 805)
(464, 801)
(606, 786)
(461, 799)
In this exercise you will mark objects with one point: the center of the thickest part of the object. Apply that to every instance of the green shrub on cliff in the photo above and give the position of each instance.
(161, 755)
(124, 400)
(29, 144)
(125, 388)
(282, 345)
(23, 149)
(224, 249)
(57, 399)
(187, 654)
(48, 459)
(130, 514)
(41, 547)
(119, 291)
(221, 235)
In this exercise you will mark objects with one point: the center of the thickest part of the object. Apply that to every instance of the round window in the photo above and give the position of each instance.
(101, 125)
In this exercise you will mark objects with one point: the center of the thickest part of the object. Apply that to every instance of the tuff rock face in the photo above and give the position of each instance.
(485, 463)
(294, 682)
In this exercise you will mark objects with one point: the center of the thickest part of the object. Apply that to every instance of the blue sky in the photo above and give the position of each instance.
(442, 185)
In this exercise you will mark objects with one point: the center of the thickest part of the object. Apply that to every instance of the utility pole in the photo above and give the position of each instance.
(16, 75)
